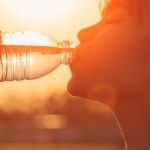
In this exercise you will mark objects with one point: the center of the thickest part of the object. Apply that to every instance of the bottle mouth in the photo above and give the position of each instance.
(67, 50)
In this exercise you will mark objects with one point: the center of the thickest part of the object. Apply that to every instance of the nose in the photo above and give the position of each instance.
(88, 34)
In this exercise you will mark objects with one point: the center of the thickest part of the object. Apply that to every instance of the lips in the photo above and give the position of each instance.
(73, 66)
(75, 57)
(76, 52)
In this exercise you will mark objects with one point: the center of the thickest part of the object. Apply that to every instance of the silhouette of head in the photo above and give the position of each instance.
(112, 59)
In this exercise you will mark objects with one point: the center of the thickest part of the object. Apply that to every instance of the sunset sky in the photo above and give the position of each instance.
(61, 19)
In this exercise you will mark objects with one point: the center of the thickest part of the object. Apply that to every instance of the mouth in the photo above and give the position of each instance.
(75, 59)
(73, 67)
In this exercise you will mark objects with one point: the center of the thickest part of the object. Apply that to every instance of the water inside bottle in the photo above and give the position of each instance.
(30, 55)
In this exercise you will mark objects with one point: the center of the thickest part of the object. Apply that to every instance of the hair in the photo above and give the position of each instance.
(134, 7)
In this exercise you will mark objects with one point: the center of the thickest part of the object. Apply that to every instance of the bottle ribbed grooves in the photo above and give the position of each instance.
(67, 52)
(15, 63)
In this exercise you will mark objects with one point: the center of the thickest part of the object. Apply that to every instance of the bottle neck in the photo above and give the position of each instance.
(66, 56)
(16, 61)
(67, 50)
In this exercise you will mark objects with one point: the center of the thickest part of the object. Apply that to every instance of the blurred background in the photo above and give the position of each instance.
(40, 114)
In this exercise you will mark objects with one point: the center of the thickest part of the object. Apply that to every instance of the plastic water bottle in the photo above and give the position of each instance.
(22, 56)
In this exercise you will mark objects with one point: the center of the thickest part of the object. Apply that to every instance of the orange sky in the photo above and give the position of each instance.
(61, 19)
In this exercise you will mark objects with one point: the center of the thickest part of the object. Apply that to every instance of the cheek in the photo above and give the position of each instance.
(120, 68)
(112, 60)
(115, 51)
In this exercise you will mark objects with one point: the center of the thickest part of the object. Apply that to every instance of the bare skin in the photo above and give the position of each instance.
(112, 65)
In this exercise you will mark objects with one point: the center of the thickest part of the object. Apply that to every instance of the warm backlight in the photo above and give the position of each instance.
(61, 19)
(28, 37)
(40, 9)
(50, 121)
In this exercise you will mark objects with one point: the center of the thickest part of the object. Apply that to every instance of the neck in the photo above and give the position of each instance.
(133, 116)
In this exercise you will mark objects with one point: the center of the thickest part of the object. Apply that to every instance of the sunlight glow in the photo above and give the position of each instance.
(39, 9)
(61, 19)
(103, 4)
(28, 37)
(24, 59)
(14, 61)
(51, 121)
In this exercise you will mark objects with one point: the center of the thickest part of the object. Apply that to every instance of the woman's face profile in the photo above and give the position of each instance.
(111, 59)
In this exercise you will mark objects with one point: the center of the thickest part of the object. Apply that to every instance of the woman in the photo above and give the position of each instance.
(112, 65)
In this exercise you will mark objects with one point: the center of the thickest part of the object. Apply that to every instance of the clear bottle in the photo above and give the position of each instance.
(19, 62)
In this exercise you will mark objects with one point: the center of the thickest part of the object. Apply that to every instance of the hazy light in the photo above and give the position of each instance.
(27, 37)
(24, 59)
(61, 19)
(14, 61)
(39, 9)
(51, 121)
(103, 4)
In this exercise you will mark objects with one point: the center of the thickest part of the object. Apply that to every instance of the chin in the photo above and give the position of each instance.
(72, 88)
(75, 88)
